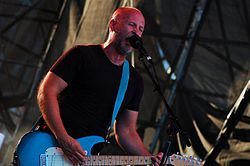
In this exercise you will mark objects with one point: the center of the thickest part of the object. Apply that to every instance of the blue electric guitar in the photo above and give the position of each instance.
(41, 149)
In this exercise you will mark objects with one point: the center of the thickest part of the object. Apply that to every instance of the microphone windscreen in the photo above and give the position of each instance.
(135, 41)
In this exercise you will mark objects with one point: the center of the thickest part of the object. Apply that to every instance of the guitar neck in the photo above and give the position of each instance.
(118, 160)
(59, 160)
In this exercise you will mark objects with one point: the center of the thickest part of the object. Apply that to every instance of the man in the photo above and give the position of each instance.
(77, 95)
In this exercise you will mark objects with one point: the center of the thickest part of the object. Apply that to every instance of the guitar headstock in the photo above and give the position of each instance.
(177, 159)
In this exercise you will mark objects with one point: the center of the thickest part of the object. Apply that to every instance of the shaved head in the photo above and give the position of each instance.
(124, 12)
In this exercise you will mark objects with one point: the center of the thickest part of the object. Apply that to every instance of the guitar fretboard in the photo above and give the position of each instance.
(56, 159)
(118, 160)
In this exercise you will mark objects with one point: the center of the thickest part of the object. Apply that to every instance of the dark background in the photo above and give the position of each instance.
(200, 48)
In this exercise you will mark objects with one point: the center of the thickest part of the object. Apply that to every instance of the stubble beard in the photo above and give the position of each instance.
(122, 48)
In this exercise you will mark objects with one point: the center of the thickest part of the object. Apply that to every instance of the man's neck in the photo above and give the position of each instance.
(112, 54)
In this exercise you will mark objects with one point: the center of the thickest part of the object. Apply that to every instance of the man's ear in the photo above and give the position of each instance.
(112, 25)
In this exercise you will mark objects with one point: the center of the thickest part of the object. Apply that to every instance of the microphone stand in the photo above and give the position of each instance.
(173, 125)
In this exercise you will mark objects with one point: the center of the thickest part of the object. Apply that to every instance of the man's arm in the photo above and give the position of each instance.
(48, 92)
(127, 136)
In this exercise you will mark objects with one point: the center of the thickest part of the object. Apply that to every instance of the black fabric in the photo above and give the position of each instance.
(86, 104)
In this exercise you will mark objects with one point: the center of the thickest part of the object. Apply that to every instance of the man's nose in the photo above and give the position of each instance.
(137, 32)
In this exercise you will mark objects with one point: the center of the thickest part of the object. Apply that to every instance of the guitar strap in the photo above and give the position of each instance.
(120, 95)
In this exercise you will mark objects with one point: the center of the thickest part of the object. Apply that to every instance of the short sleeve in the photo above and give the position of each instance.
(68, 64)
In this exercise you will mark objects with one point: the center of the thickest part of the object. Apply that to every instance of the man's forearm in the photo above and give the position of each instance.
(49, 108)
(132, 144)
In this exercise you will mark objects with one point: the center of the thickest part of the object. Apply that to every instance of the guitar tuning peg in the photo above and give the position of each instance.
(199, 161)
(180, 157)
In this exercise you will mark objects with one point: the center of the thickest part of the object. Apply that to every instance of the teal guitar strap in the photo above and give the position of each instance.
(121, 93)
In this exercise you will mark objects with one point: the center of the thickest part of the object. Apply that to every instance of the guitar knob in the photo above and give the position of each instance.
(86, 152)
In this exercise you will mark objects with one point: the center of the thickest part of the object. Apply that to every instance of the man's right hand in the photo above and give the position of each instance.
(72, 149)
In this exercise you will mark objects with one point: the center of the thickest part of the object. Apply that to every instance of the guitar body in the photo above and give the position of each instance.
(33, 144)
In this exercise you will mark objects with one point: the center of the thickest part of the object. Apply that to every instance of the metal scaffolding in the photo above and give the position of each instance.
(19, 76)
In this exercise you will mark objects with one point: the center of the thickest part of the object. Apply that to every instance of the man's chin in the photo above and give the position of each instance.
(128, 52)
(125, 51)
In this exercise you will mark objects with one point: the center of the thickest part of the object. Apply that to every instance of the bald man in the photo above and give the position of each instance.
(77, 96)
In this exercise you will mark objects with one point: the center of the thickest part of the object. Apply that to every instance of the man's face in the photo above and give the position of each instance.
(124, 26)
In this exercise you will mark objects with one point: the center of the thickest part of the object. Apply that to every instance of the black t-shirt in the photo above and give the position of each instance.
(86, 104)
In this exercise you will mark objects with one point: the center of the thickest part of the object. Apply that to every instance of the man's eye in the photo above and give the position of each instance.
(132, 24)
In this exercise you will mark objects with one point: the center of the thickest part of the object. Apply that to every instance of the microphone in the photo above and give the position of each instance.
(136, 42)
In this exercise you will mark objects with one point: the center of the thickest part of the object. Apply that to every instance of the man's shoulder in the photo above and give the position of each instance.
(87, 50)
(135, 74)
(86, 46)
(133, 69)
